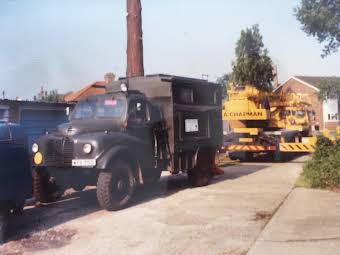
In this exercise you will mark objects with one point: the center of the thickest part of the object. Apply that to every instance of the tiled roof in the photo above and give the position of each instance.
(93, 89)
(316, 80)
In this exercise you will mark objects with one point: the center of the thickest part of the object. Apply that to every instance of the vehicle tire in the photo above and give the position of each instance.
(200, 176)
(44, 187)
(115, 187)
(3, 225)
(246, 156)
(152, 176)
(280, 156)
(233, 156)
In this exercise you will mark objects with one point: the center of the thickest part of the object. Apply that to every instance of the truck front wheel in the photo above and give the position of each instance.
(44, 187)
(115, 187)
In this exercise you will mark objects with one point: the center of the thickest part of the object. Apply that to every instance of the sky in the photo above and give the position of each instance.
(67, 44)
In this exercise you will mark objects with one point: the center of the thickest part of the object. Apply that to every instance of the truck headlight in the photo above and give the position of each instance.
(124, 87)
(87, 148)
(35, 148)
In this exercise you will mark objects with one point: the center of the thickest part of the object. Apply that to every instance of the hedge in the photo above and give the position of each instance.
(323, 171)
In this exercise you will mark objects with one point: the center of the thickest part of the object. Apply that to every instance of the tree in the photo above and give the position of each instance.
(135, 65)
(49, 96)
(253, 65)
(224, 82)
(321, 19)
(330, 89)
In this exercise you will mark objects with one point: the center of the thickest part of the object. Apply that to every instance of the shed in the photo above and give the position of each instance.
(37, 118)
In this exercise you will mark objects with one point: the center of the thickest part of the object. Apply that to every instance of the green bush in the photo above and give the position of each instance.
(324, 147)
(323, 171)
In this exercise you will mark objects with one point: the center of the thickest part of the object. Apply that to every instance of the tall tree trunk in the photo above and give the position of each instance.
(135, 65)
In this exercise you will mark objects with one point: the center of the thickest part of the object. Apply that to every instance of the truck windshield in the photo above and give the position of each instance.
(300, 114)
(105, 107)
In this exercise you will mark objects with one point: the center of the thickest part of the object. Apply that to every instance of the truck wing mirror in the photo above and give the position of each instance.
(67, 111)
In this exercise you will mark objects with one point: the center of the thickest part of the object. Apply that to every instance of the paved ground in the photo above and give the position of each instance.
(307, 223)
(223, 218)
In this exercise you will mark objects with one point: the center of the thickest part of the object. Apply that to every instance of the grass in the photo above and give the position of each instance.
(302, 182)
(224, 161)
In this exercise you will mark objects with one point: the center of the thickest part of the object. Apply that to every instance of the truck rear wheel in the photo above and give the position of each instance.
(152, 176)
(115, 187)
(44, 187)
(200, 176)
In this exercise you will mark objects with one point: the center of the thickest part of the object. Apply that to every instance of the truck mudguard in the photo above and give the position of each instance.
(122, 153)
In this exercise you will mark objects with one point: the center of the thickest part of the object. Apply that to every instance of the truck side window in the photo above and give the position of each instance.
(138, 112)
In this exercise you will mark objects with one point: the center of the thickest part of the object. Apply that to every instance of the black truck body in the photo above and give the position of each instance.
(183, 101)
(128, 136)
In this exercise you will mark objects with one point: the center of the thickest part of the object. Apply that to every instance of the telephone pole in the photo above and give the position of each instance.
(135, 62)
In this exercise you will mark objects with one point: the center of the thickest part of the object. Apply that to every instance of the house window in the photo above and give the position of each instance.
(333, 117)
(330, 109)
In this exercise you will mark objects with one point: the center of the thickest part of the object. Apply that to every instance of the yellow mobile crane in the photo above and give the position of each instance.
(291, 111)
(267, 122)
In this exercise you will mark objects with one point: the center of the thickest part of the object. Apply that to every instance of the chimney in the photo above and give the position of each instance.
(276, 77)
(109, 78)
(135, 64)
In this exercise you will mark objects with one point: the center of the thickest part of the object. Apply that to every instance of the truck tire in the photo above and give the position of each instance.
(115, 187)
(43, 186)
(3, 225)
(247, 156)
(200, 176)
(152, 177)
(233, 156)
(280, 156)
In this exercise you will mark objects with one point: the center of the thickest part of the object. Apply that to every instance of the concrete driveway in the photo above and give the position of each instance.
(307, 223)
(225, 217)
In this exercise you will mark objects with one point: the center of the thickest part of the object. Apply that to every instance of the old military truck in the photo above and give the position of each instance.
(141, 127)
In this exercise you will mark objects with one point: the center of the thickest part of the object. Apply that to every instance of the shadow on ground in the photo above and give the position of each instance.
(79, 204)
(286, 158)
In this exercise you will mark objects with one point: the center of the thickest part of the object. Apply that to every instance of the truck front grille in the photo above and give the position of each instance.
(59, 152)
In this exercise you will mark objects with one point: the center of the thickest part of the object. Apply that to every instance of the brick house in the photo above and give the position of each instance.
(326, 113)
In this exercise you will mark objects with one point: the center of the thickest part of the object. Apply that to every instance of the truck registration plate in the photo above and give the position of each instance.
(84, 162)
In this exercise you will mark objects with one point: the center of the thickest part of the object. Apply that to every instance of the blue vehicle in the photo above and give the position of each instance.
(15, 173)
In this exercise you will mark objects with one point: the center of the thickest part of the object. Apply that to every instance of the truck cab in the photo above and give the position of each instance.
(124, 138)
